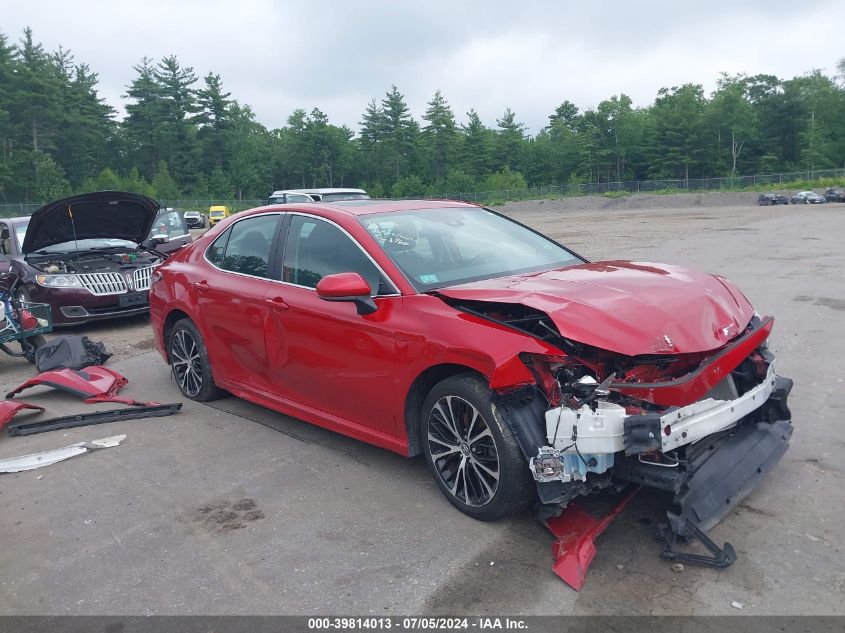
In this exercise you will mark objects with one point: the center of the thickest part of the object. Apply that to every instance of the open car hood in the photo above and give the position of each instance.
(631, 308)
(102, 214)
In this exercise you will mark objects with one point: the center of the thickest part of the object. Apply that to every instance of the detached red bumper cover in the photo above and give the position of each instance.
(92, 384)
(576, 531)
(8, 409)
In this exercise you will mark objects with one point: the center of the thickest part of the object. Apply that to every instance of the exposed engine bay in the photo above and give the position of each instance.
(105, 261)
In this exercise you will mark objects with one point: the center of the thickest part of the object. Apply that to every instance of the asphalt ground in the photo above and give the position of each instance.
(233, 509)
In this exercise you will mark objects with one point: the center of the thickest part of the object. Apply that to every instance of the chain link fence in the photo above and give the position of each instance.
(690, 185)
(534, 193)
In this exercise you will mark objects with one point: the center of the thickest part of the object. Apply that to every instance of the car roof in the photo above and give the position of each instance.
(369, 206)
(321, 191)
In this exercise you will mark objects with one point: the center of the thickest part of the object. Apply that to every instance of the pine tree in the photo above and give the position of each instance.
(400, 132)
(212, 120)
(476, 151)
(439, 136)
(510, 139)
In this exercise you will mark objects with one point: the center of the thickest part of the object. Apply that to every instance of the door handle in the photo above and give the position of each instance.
(277, 303)
(201, 286)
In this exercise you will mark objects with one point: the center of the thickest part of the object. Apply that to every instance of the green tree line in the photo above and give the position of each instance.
(185, 136)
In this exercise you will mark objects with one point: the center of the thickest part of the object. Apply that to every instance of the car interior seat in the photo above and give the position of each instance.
(254, 253)
(400, 244)
(327, 251)
(6, 242)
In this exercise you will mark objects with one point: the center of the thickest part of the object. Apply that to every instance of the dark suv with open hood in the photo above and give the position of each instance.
(84, 255)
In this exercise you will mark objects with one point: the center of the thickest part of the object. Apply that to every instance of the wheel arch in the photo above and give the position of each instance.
(417, 393)
(172, 318)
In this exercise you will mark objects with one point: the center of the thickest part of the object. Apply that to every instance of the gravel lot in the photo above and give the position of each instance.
(234, 509)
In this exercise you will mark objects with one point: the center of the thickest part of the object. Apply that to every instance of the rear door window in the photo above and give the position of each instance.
(245, 248)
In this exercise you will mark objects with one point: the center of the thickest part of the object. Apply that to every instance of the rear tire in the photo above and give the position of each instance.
(472, 453)
(189, 363)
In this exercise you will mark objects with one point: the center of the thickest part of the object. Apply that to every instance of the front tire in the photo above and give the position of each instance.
(189, 363)
(472, 453)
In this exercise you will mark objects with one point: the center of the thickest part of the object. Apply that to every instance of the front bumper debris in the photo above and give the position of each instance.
(708, 478)
(592, 440)
(91, 418)
(685, 425)
(93, 384)
(47, 458)
(575, 533)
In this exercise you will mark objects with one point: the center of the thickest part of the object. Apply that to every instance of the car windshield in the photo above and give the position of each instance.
(218, 214)
(87, 245)
(192, 214)
(443, 247)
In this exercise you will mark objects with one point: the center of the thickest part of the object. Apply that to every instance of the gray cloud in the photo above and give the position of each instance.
(529, 55)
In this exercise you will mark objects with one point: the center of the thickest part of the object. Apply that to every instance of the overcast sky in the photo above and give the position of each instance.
(280, 55)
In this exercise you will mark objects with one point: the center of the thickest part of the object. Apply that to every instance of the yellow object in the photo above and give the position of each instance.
(217, 212)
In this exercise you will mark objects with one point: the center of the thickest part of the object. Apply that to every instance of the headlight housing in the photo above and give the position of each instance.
(58, 281)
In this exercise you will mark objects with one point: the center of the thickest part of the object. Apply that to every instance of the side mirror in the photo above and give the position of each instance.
(160, 239)
(347, 287)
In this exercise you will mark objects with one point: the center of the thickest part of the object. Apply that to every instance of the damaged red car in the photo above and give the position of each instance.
(523, 373)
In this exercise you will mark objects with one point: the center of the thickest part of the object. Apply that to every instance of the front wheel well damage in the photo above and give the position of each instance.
(172, 319)
(417, 394)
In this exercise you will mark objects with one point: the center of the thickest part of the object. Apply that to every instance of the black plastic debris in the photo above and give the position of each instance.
(70, 352)
(94, 417)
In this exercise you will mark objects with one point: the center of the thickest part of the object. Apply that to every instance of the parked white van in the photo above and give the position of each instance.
(288, 196)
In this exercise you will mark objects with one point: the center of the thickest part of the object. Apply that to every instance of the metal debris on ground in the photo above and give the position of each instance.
(737, 605)
(46, 458)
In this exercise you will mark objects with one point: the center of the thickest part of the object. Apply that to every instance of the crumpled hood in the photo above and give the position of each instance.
(102, 214)
(631, 308)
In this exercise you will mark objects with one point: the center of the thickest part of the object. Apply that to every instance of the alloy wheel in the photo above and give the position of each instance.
(186, 363)
(463, 451)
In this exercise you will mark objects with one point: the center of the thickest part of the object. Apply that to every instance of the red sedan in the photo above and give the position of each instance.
(522, 372)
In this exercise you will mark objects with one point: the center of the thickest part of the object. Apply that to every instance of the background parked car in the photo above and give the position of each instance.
(289, 196)
(807, 197)
(169, 232)
(84, 255)
(195, 219)
(768, 199)
(217, 213)
(835, 194)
